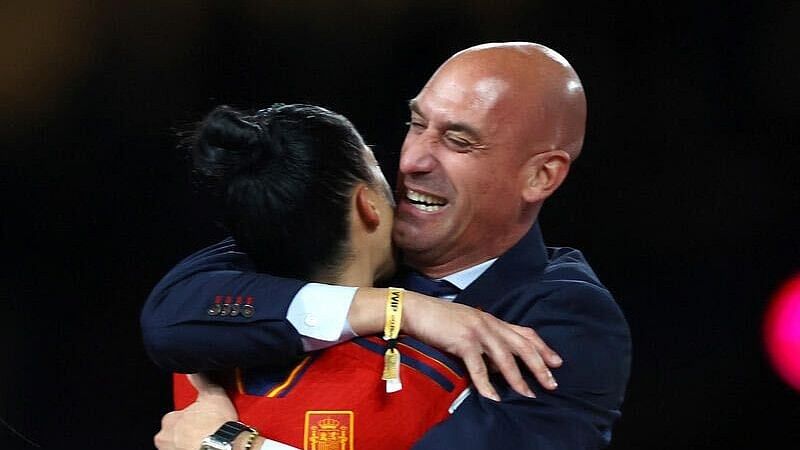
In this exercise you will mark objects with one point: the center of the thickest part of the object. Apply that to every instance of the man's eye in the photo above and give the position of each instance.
(459, 142)
(414, 124)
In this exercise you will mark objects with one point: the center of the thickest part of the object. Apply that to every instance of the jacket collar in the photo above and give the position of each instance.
(524, 261)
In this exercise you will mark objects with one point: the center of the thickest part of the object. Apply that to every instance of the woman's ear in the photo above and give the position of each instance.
(543, 174)
(365, 207)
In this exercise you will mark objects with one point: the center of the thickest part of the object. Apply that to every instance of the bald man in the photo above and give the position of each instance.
(491, 136)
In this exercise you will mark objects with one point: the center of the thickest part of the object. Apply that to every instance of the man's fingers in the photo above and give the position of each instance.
(551, 358)
(161, 440)
(537, 366)
(169, 419)
(475, 334)
(524, 346)
(158, 440)
(480, 376)
(507, 366)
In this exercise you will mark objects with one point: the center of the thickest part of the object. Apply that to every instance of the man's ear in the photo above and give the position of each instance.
(543, 174)
(365, 207)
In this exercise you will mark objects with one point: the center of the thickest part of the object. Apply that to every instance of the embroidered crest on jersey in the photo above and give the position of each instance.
(328, 430)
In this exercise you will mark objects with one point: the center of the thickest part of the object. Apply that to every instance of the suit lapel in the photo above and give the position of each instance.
(521, 263)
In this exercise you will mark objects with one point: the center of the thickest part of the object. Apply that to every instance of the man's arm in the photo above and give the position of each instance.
(185, 429)
(587, 328)
(591, 334)
(189, 326)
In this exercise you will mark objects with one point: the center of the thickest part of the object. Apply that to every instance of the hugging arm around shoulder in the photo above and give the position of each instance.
(213, 311)
(583, 324)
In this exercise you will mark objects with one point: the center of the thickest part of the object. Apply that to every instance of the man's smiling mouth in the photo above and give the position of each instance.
(425, 202)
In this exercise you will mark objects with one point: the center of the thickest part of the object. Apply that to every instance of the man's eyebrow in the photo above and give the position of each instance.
(458, 127)
(414, 107)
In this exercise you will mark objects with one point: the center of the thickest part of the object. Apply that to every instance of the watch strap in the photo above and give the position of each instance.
(229, 430)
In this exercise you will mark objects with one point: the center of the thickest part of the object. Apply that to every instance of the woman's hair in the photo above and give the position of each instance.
(283, 177)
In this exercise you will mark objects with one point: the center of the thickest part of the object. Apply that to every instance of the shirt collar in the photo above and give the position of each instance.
(463, 278)
(521, 264)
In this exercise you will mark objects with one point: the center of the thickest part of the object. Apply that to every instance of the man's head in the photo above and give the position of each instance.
(296, 182)
(492, 135)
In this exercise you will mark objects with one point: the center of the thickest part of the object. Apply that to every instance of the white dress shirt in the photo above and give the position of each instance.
(319, 311)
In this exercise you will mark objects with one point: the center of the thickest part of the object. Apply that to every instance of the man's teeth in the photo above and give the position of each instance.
(425, 202)
(428, 208)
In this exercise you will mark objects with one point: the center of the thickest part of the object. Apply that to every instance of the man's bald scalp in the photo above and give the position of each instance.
(544, 83)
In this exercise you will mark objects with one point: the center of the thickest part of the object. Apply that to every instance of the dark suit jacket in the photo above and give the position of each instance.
(552, 290)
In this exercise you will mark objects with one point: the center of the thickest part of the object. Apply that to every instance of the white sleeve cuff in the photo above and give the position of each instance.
(319, 311)
(269, 444)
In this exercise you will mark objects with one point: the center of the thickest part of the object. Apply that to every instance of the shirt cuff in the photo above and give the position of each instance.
(319, 313)
(269, 444)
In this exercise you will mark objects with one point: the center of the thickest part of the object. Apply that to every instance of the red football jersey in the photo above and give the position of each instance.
(335, 398)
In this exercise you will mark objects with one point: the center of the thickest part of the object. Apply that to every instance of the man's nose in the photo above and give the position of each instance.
(417, 157)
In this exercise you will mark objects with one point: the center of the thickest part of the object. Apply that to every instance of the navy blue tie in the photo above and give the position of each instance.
(435, 288)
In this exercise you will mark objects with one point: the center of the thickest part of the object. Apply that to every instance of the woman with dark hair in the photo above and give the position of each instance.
(303, 196)
(285, 178)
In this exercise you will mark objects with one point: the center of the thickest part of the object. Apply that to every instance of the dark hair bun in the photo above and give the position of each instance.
(282, 180)
(228, 143)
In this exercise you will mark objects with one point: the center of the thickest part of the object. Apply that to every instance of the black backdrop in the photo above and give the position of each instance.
(685, 199)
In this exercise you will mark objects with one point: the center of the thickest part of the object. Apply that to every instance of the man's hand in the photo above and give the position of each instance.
(465, 332)
(185, 429)
(472, 334)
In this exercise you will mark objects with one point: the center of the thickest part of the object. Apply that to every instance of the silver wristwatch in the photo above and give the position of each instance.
(222, 439)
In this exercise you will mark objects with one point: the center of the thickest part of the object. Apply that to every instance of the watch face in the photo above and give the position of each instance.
(212, 443)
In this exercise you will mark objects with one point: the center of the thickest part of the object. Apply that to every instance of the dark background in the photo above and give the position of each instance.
(685, 199)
